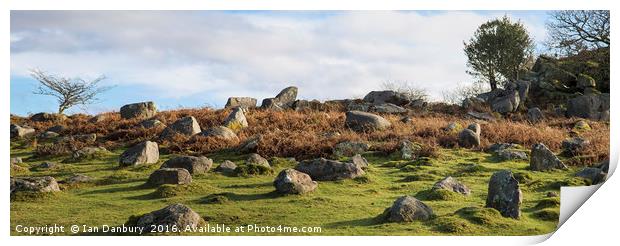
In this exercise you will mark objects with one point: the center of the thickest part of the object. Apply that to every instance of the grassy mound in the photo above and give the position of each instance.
(438, 195)
(171, 190)
(252, 170)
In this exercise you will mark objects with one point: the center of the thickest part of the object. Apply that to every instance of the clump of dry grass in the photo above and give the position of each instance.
(309, 134)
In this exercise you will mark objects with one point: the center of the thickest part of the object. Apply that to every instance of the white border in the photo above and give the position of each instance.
(593, 222)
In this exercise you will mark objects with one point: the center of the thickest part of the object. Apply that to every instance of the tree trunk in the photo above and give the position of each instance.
(492, 82)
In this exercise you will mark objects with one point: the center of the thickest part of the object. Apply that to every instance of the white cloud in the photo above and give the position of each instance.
(187, 53)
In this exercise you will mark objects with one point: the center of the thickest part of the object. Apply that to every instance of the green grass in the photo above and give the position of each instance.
(347, 207)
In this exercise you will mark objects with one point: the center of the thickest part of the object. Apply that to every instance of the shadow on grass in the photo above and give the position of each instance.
(118, 189)
(266, 184)
(372, 221)
(222, 198)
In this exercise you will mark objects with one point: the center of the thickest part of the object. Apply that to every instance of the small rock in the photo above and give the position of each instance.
(322, 169)
(552, 194)
(78, 178)
(543, 159)
(226, 167)
(359, 161)
(220, 132)
(21, 132)
(511, 154)
(152, 123)
(146, 152)
(187, 126)
(291, 181)
(169, 176)
(48, 135)
(350, 148)
(34, 184)
(45, 117)
(408, 150)
(251, 144)
(362, 121)
(173, 216)
(236, 120)
(452, 184)
(468, 138)
(47, 165)
(408, 209)
(98, 118)
(192, 164)
(16, 160)
(256, 159)
(535, 115)
(57, 129)
(574, 146)
(245, 102)
(595, 175)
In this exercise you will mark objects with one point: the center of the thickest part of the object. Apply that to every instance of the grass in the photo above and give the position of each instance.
(346, 207)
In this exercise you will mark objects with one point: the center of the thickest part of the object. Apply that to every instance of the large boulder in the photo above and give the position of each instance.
(220, 132)
(585, 81)
(138, 110)
(169, 176)
(146, 152)
(362, 121)
(506, 103)
(236, 120)
(408, 209)
(284, 100)
(34, 184)
(291, 181)
(393, 97)
(350, 148)
(451, 184)
(535, 115)
(21, 132)
(590, 106)
(192, 164)
(543, 159)
(187, 126)
(173, 216)
(504, 194)
(322, 169)
(244, 102)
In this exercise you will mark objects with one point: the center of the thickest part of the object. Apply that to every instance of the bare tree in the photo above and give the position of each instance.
(412, 91)
(573, 31)
(68, 91)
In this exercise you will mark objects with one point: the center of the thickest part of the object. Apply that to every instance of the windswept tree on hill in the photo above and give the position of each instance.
(573, 31)
(499, 50)
(68, 92)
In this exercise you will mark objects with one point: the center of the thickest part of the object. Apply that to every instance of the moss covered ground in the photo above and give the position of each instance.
(347, 207)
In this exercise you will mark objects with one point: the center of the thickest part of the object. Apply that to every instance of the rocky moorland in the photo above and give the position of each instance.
(382, 165)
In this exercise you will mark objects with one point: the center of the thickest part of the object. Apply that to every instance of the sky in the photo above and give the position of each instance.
(200, 58)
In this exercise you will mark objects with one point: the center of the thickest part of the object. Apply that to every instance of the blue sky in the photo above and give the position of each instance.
(200, 58)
